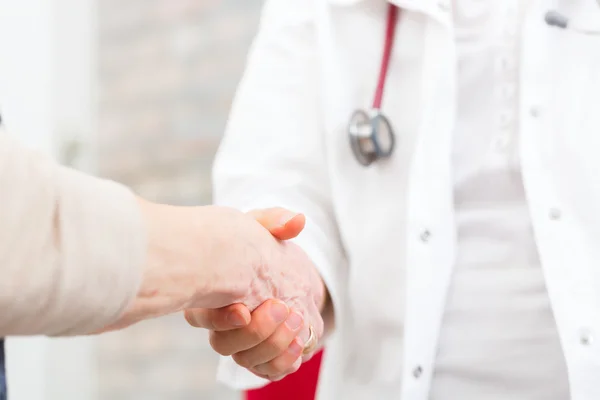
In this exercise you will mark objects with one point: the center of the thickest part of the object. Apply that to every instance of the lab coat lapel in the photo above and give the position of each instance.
(434, 8)
(406, 4)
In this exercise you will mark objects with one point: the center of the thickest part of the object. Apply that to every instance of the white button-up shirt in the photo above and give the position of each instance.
(498, 338)
(384, 237)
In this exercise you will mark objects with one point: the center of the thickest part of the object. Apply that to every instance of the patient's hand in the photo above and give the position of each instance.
(270, 341)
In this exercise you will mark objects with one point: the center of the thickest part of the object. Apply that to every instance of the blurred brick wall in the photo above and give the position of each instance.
(168, 70)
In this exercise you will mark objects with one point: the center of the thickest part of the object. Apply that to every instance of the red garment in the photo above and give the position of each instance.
(301, 385)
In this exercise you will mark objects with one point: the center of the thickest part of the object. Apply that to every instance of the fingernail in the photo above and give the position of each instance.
(296, 365)
(294, 321)
(296, 348)
(279, 312)
(304, 335)
(287, 217)
(236, 319)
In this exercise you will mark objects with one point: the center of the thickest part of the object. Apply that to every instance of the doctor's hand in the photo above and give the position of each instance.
(270, 341)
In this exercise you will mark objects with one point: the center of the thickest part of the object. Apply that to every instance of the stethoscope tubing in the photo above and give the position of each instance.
(390, 34)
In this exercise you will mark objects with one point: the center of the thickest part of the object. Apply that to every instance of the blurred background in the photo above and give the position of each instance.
(137, 91)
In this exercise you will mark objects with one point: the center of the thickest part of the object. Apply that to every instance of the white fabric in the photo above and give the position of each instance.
(311, 65)
(498, 339)
(72, 246)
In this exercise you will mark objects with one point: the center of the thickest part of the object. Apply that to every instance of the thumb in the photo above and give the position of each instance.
(232, 317)
(283, 224)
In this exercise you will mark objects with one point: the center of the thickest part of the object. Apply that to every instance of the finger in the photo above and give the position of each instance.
(295, 367)
(274, 346)
(265, 321)
(260, 375)
(227, 318)
(284, 364)
(283, 224)
(318, 327)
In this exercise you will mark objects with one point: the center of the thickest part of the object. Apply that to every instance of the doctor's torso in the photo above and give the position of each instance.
(498, 339)
(467, 265)
(417, 240)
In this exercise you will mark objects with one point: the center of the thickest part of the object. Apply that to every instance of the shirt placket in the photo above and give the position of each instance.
(506, 74)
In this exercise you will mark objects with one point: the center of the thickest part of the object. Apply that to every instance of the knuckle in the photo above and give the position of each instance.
(258, 334)
(242, 360)
(280, 365)
(267, 369)
(199, 319)
(317, 324)
(294, 368)
(319, 327)
(263, 376)
(307, 357)
(259, 372)
(191, 319)
(216, 342)
(277, 344)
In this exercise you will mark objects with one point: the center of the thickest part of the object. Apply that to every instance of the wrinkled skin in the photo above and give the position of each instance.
(270, 340)
(258, 269)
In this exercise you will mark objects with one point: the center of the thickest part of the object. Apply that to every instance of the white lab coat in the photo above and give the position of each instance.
(383, 237)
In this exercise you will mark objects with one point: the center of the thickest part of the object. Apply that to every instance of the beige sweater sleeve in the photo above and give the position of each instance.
(71, 246)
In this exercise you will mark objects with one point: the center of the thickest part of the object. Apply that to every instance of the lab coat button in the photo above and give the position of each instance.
(425, 235)
(417, 371)
(443, 6)
(585, 337)
(534, 112)
(501, 143)
(505, 120)
(555, 214)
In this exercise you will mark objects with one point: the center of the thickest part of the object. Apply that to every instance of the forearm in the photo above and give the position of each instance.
(71, 247)
(168, 283)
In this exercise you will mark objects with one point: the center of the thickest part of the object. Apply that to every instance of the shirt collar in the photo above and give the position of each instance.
(429, 7)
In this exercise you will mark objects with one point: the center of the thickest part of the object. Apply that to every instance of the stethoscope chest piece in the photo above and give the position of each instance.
(371, 136)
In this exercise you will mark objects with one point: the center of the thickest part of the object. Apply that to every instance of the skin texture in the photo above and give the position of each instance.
(268, 341)
(209, 259)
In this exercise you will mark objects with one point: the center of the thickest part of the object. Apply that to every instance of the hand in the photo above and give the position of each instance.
(265, 342)
(268, 345)
(211, 257)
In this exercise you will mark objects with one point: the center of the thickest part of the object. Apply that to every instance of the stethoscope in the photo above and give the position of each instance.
(370, 132)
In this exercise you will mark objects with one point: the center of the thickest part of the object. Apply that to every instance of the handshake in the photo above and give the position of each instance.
(235, 274)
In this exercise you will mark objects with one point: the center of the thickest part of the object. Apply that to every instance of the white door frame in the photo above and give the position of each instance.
(47, 78)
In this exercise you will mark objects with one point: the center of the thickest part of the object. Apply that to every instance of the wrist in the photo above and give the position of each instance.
(188, 252)
(167, 283)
